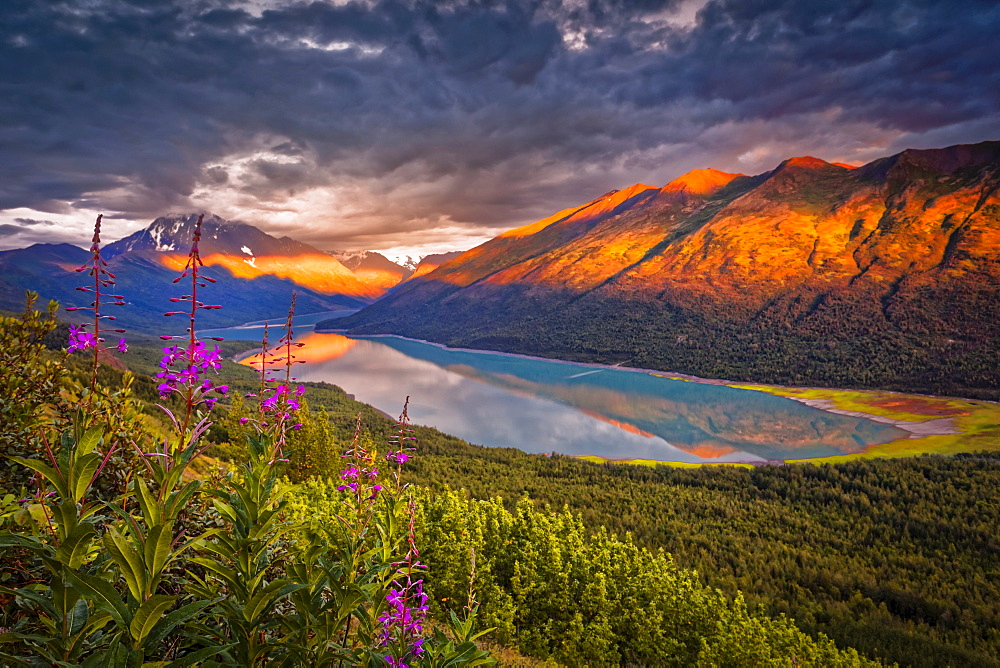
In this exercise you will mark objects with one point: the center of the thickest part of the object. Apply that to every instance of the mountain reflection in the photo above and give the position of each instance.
(541, 405)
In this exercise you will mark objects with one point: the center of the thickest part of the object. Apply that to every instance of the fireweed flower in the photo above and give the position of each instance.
(103, 280)
(403, 621)
(80, 340)
(279, 400)
(184, 365)
(183, 370)
(398, 444)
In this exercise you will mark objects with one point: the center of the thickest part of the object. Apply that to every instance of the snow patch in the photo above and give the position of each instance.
(247, 251)
(251, 262)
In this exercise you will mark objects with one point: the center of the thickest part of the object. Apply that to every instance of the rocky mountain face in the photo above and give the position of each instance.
(256, 273)
(429, 263)
(246, 252)
(373, 268)
(887, 275)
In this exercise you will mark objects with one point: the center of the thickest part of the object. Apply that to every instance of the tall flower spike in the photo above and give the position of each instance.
(400, 443)
(403, 622)
(185, 364)
(79, 337)
(279, 400)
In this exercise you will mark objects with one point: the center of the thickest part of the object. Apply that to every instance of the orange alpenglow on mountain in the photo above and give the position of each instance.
(702, 182)
(318, 272)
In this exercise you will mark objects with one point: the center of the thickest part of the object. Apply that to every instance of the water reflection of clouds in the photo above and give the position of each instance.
(542, 405)
(482, 413)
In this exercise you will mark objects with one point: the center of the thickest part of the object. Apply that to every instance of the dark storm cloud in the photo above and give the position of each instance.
(477, 113)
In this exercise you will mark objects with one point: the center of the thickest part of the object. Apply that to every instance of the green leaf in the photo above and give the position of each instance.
(27, 542)
(262, 599)
(11, 659)
(74, 549)
(83, 473)
(225, 510)
(148, 614)
(42, 602)
(178, 616)
(89, 441)
(157, 548)
(78, 617)
(103, 594)
(128, 560)
(194, 657)
(49, 473)
(97, 620)
(226, 573)
(150, 511)
(180, 498)
(66, 516)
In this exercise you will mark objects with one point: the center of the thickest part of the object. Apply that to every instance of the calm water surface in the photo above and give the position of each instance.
(540, 405)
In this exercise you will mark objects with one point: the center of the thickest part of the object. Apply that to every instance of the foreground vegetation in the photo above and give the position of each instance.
(896, 558)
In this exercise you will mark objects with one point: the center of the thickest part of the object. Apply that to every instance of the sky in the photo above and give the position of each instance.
(420, 126)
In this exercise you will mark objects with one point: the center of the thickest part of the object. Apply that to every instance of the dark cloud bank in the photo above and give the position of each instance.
(451, 116)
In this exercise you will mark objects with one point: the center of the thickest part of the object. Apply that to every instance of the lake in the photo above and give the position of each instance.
(540, 405)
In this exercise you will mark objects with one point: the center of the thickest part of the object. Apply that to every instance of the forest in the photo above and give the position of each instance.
(897, 558)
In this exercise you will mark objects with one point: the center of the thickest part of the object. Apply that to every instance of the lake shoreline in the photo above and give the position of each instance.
(917, 428)
(949, 432)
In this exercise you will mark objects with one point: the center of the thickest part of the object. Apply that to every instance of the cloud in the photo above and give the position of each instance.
(32, 222)
(377, 121)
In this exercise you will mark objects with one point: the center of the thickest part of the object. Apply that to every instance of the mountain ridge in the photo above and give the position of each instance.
(257, 272)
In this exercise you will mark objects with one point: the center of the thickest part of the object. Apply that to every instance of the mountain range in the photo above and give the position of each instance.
(256, 273)
(884, 275)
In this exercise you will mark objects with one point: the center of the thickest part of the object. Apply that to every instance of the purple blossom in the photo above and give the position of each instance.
(403, 621)
(122, 346)
(191, 363)
(79, 339)
(397, 457)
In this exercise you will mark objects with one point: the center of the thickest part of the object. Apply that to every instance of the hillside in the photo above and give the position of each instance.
(887, 275)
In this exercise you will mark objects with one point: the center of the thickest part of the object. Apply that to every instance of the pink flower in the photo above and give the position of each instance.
(80, 339)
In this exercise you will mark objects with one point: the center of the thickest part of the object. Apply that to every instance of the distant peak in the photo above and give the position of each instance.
(844, 165)
(189, 218)
(616, 197)
(700, 181)
(805, 162)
